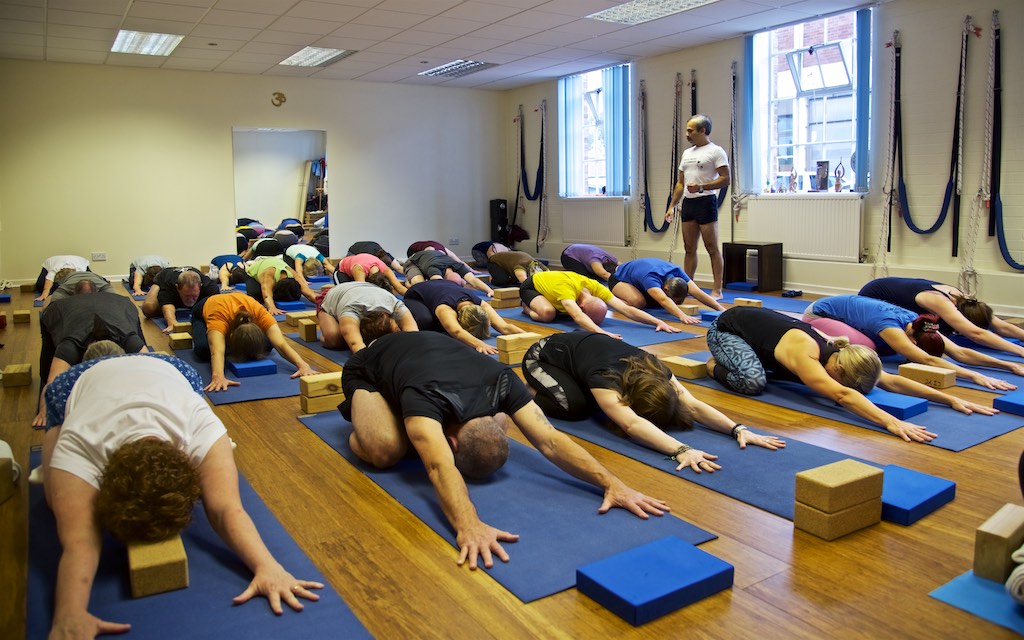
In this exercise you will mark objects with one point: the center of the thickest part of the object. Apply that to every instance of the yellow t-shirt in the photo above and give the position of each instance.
(556, 286)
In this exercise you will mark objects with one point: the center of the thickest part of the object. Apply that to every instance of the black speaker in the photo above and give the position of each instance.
(499, 221)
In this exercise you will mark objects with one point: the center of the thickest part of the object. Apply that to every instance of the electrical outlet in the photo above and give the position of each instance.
(99, 256)
(453, 241)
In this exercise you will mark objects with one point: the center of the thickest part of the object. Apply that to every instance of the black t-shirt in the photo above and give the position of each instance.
(590, 357)
(167, 280)
(69, 325)
(422, 373)
(434, 293)
(432, 262)
(762, 329)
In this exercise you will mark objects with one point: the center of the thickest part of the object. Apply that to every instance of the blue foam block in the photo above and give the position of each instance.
(240, 286)
(318, 279)
(741, 286)
(252, 368)
(648, 581)
(5, 297)
(908, 495)
(709, 315)
(897, 404)
(291, 305)
(1010, 403)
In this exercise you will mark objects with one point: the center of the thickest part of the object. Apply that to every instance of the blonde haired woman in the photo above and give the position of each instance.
(750, 344)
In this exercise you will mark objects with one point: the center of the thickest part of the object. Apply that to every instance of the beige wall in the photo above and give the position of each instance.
(134, 161)
(931, 48)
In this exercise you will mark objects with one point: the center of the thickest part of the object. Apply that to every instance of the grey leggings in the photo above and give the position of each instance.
(737, 366)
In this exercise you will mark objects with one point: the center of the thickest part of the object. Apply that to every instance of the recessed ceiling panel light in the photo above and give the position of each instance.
(640, 11)
(316, 57)
(457, 69)
(146, 44)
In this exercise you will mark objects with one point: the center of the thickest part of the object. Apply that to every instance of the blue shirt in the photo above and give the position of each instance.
(867, 315)
(228, 259)
(59, 390)
(649, 273)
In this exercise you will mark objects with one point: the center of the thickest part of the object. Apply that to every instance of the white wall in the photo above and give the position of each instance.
(270, 171)
(134, 161)
(930, 32)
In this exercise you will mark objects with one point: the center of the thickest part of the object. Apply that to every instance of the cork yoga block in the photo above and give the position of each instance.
(747, 302)
(292, 317)
(690, 309)
(17, 375)
(830, 526)
(507, 303)
(320, 384)
(21, 317)
(686, 368)
(511, 357)
(935, 377)
(182, 327)
(837, 486)
(507, 293)
(156, 567)
(320, 404)
(180, 341)
(307, 330)
(517, 341)
(995, 540)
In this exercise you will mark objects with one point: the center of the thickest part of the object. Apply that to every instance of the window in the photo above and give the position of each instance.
(594, 135)
(809, 104)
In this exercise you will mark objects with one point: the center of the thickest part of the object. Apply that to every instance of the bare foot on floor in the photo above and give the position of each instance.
(717, 295)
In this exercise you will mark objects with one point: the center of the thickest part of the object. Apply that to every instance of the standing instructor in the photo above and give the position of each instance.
(703, 170)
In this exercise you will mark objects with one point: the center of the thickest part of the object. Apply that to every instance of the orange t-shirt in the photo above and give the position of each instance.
(221, 309)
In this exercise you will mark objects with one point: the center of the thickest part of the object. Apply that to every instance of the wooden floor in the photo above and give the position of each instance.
(401, 579)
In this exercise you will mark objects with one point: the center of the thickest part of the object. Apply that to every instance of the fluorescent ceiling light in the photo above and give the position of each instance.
(457, 69)
(146, 44)
(640, 11)
(316, 57)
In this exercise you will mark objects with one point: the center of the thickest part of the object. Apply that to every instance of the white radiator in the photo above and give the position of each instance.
(813, 226)
(600, 220)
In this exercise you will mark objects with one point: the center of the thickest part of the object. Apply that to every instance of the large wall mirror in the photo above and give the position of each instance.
(280, 174)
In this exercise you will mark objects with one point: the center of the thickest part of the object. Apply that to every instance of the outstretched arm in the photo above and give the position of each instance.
(503, 326)
(946, 310)
(908, 387)
(574, 460)
(701, 296)
(277, 340)
(218, 349)
(475, 538)
(583, 320)
(638, 315)
(477, 283)
(903, 345)
(218, 481)
(669, 305)
(137, 283)
(449, 319)
(649, 435)
(714, 419)
(267, 287)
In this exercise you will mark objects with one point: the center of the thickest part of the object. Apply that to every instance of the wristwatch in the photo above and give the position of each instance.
(700, 188)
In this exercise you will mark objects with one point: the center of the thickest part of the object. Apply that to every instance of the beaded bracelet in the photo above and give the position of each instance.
(736, 431)
(683, 448)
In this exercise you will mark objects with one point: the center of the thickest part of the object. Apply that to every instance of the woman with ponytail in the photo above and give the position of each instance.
(235, 325)
(750, 344)
(889, 329)
(575, 373)
(957, 312)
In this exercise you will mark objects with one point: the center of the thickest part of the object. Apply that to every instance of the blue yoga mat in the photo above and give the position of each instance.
(793, 305)
(37, 303)
(181, 315)
(278, 385)
(984, 598)
(757, 476)
(204, 609)
(635, 333)
(128, 288)
(891, 364)
(955, 430)
(554, 514)
(339, 356)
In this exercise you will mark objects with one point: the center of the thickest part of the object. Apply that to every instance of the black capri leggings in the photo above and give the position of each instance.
(558, 393)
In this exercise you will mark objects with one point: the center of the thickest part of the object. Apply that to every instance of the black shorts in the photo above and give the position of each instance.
(703, 210)
(527, 292)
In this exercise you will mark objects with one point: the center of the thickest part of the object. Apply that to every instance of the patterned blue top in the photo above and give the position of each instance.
(58, 391)
(867, 315)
